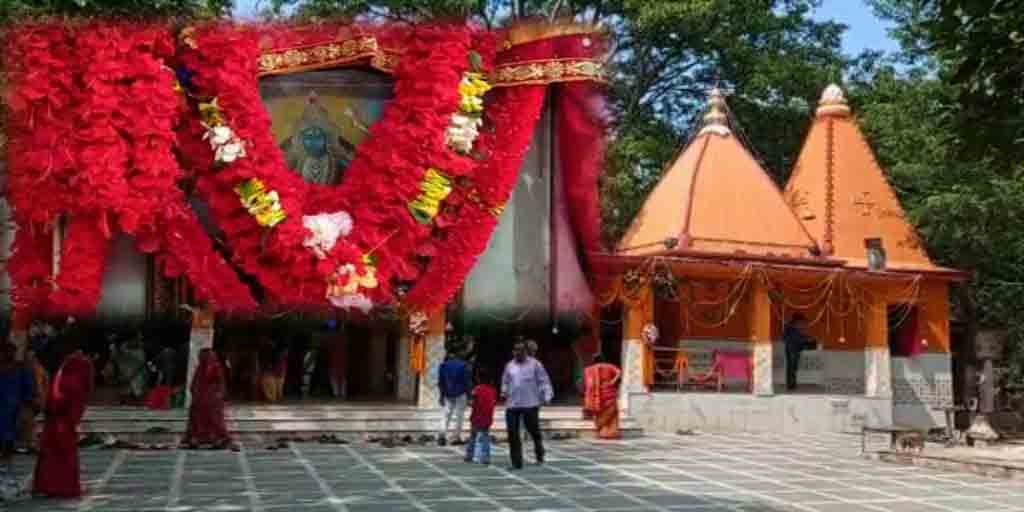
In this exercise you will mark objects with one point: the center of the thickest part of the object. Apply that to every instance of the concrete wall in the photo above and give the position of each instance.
(510, 282)
(736, 412)
(920, 385)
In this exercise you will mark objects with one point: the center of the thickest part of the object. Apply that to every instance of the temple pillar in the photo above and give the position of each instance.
(428, 397)
(877, 367)
(405, 387)
(761, 339)
(634, 316)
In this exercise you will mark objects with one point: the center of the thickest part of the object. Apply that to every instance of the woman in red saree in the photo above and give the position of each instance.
(601, 397)
(206, 423)
(57, 472)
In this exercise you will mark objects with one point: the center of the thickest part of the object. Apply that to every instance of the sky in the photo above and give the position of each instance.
(865, 32)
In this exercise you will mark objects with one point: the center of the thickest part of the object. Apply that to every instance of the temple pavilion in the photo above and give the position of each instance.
(719, 259)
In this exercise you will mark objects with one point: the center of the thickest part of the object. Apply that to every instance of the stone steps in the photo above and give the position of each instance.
(266, 424)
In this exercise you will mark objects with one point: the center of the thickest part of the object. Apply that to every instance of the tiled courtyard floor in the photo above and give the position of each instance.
(706, 472)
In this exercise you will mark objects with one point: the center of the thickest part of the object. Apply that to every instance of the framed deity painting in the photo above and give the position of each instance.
(320, 117)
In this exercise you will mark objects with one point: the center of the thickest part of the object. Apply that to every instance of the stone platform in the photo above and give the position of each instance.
(1006, 461)
(267, 423)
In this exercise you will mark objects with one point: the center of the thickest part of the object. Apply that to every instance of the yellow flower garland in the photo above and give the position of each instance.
(263, 205)
(473, 88)
(435, 188)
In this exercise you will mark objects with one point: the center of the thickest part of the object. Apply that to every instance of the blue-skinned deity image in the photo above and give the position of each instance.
(316, 149)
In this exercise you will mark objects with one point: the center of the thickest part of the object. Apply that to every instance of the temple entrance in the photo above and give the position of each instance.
(371, 365)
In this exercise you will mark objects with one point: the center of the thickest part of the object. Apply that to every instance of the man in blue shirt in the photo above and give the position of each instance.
(454, 382)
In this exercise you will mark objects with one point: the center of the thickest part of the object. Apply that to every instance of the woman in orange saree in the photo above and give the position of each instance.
(57, 474)
(601, 396)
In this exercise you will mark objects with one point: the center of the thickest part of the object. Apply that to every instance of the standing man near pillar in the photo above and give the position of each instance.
(796, 342)
(454, 382)
(525, 387)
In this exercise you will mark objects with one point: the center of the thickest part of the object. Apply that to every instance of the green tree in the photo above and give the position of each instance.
(977, 46)
(966, 209)
(952, 135)
(14, 11)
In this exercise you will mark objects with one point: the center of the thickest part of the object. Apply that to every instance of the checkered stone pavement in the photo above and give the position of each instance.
(707, 472)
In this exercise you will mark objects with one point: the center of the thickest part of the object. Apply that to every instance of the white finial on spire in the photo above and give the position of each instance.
(833, 102)
(716, 120)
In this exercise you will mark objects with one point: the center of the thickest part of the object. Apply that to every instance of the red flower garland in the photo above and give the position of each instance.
(92, 136)
(224, 66)
(110, 160)
(471, 220)
(38, 59)
(384, 177)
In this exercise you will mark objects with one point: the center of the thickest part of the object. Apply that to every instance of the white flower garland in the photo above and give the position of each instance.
(226, 145)
(325, 229)
(465, 124)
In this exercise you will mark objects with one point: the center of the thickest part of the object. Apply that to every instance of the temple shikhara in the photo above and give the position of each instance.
(719, 260)
(340, 205)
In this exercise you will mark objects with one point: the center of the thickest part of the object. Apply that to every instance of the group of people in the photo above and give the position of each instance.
(525, 386)
(278, 367)
(26, 390)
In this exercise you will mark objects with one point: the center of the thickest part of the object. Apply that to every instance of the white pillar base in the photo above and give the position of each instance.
(632, 372)
(763, 384)
(428, 394)
(877, 373)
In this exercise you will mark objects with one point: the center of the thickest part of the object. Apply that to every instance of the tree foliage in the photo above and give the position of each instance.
(951, 132)
(12, 11)
(977, 46)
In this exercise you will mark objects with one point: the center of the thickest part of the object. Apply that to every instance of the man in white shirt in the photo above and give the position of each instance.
(525, 386)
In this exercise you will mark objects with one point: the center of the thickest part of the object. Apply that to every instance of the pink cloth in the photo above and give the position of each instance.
(733, 364)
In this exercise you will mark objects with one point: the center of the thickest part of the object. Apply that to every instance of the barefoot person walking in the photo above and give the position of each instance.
(601, 396)
(57, 472)
(206, 423)
(525, 386)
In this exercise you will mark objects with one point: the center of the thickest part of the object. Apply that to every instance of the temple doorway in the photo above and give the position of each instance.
(372, 363)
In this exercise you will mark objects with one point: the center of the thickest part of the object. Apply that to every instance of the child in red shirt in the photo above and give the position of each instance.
(484, 397)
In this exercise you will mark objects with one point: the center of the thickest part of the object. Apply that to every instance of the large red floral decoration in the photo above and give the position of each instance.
(104, 162)
(388, 174)
(108, 121)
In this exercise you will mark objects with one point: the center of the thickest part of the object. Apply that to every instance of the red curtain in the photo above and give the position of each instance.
(581, 147)
(908, 337)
